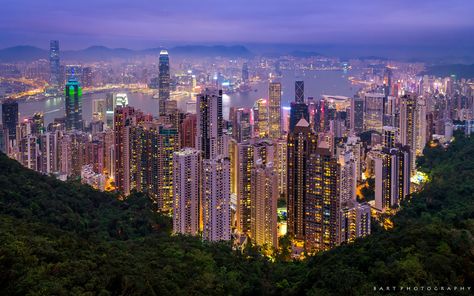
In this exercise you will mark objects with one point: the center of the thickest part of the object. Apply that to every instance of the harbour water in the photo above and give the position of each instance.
(317, 83)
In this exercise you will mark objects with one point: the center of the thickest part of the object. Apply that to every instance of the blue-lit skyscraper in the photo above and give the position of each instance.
(73, 101)
(54, 64)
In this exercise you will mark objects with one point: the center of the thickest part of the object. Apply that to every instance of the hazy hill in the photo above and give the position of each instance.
(97, 53)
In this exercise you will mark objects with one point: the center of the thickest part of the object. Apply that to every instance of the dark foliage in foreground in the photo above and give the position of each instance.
(67, 239)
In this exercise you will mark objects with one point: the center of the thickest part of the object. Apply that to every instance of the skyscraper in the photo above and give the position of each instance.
(210, 123)
(301, 144)
(298, 111)
(357, 114)
(264, 197)
(216, 199)
(322, 201)
(408, 125)
(392, 176)
(241, 124)
(260, 118)
(164, 79)
(245, 72)
(186, 194)
(188, 131)
(274, 110)
(73, 102)
(299, 91)
(374, 110)
(10, 119)
(54, 64)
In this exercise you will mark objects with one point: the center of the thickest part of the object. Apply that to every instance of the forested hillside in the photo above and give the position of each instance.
(61, 238)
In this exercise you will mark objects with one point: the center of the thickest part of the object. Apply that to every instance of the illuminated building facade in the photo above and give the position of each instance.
(186, 194)
(216, 199)
(374, 111)
(54, 64)
(210, 123)
(164, 80)
(274, 110)
(73, 102)
(264, 195)
(301, 144)
(299, 91)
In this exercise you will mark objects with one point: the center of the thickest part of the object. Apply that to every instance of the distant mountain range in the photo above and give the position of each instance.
(31, 53)
(461, 71)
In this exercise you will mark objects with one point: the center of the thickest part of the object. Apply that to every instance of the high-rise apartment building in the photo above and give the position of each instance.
(264, 195)
(10, 119)
(187, 191)
(210, 123)
(216, 199)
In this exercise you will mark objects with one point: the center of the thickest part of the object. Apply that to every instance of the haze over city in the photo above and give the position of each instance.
(388, 28)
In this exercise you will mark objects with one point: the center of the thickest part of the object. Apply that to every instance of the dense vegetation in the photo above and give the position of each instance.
(67, 239)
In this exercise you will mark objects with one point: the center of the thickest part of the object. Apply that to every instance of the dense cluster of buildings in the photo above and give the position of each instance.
(222, 179)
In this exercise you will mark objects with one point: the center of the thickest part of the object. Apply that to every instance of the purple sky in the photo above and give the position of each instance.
(151, 23)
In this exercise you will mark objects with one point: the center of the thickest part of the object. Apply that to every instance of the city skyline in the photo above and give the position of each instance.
(410, 27)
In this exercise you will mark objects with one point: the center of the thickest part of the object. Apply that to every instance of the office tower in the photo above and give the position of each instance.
(374, 110)
(392, 176)
(29, 152)
(48, 147)
(298, 111)
(354, 221)
(301, 144)
(164, 79)
(348, 182)
(245, 73)
(241, 124)
(260, 118)
(216, 199)
(109, 110)
(10, 119)
(54, 64)
(188, 131)
(299, 91)
(264, 205)
(322, 201)
(186, 194)
(357, 115)
(73, 105)
(390, 136)
(274, 110)
(210, 123)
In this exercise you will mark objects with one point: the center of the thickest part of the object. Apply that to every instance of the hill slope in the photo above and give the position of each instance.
(67, 239)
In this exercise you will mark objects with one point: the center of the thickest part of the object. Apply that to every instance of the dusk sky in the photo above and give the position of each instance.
(151, 23)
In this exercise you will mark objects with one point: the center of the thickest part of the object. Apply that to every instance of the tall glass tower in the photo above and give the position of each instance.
(54, 64)
(73, 93)
(164, 80)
